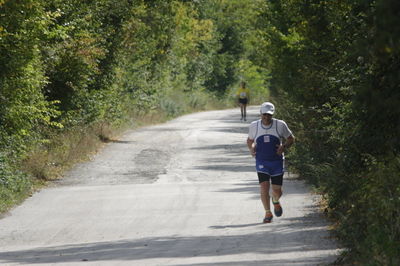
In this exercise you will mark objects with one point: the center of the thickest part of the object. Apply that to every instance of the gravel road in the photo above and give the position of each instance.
(179, 193)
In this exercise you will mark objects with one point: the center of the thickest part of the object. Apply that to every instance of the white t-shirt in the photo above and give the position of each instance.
(277, 128)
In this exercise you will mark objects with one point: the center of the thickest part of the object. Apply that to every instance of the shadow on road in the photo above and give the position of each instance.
(226, 167)
(297, 235)
(181, 247)
(290, 187)
(225, 157)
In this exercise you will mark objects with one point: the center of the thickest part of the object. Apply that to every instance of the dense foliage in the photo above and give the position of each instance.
(335, 69)
(71, 70)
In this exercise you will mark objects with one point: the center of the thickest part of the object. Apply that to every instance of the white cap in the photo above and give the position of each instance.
(267, 108)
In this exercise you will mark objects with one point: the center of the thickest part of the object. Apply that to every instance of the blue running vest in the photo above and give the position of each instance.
(267, 143)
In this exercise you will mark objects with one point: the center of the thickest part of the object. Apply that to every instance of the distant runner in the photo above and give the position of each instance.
(265, 143)
(243, 96)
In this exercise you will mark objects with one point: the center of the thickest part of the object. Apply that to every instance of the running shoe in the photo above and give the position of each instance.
(268, 218)
(277, 209)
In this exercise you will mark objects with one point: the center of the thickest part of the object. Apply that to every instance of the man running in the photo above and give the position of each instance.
(265, 143)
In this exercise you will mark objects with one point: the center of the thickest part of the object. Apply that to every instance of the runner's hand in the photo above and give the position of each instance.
(280, 150)
(253, 150)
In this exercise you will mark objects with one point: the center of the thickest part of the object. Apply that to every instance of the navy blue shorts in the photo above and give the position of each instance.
(272, 168)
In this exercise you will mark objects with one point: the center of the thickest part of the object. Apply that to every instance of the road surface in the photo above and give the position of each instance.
(180, 193)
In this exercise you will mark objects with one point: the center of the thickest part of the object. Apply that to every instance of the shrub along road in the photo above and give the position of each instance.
(180, 193)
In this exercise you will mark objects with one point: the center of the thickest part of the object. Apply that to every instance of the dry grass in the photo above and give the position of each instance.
(62, 151)
(49, 161)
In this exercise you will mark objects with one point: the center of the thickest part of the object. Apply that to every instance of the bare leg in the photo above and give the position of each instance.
(244, 111)
(276, 192)
(264, 191)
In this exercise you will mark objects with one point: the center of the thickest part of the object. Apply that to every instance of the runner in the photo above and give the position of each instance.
(265, 144)
(243, 95)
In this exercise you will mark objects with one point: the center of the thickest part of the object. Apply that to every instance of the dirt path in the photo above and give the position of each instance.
(181, 193)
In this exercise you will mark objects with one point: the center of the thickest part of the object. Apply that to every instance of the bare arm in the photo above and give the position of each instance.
(252, 147)
(289, 142)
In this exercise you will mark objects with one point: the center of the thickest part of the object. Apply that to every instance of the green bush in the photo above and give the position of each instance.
(372, 219)
(335, 75)
(14, 184)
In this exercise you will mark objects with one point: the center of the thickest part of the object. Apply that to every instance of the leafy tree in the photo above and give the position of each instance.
(23, 107)
(333, 67)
